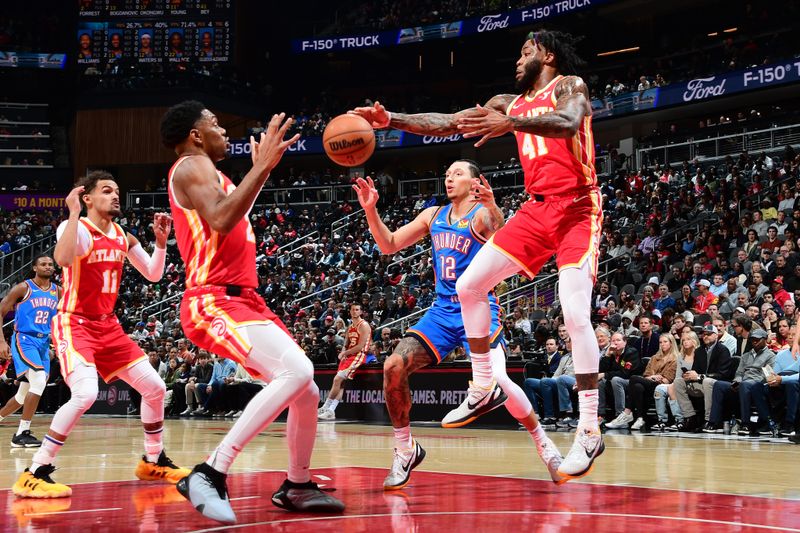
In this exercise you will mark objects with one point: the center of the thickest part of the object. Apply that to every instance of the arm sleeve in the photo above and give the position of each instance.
(151, 267)
(84, 238)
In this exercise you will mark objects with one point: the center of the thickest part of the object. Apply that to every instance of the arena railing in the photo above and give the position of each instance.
(14, 265)
(719, 147)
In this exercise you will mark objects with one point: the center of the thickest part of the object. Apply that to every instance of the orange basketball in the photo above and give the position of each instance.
(348, 140)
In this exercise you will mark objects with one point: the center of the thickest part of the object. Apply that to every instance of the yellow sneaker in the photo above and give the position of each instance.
(40, 485)
(163, 469)
(26, 510)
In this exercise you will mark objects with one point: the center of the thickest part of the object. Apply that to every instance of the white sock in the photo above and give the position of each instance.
(46, 453)
(24, 425)
(333, 405)
(481, 369)
(2, 418)
(153, 443)
(402, 438)
(587, 405)
(327, 404)
(539, 436)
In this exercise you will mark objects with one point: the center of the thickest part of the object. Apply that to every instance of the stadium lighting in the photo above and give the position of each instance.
(620, 51)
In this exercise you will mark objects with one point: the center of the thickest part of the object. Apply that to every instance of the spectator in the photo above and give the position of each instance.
(223, 368)
(782, 384)
(558, 386)
(620, 363)
(197, 382)
(647, 345)
(660, 370)
(704, 297)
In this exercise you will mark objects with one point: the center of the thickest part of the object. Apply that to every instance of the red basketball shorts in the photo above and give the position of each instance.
(568, 226)
(349, 365)
(101, 343)
(210, 319)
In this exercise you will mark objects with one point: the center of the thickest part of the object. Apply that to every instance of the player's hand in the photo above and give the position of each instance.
(268, 150)
(162, 225)
(366, 191)
(73, 200)
(485, 123)
(376, 115)
(5, 351)
(482, 191)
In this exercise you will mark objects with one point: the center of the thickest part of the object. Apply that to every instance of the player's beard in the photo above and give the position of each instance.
(530, 74)
(114, 212)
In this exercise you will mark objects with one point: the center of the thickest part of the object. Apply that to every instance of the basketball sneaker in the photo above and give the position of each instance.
(327, 414)
(163, 469)
(479, 401)
(40, 484)
(25, 440)
(403, 463)
(552, 459)
(207, 491)
(306, 498)
(586, 447)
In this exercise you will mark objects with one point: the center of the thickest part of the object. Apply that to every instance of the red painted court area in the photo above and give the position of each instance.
(433, 502)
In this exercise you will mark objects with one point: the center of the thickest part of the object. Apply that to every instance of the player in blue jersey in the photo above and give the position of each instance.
(34, 303)
(457, 231)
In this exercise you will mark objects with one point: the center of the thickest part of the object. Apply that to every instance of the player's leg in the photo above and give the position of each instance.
(36, 482)
(487, 269)
(408, 357)
(575, 294)
(276, 356)
(326, 412)
(154, 465)
(520, 408)
(37, 381)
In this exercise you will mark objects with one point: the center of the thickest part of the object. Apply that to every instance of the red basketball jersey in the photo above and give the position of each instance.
(551, 165)
(91, 282)
(212, 258)
(353, 337)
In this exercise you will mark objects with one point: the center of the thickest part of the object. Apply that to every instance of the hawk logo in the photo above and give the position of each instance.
(219, 327)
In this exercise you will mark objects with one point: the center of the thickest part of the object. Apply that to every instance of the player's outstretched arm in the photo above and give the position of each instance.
(197, 185)
(389, 241)
(573, 104)
(16, 294)
(490, 218)
(437, 124)
(151, 267)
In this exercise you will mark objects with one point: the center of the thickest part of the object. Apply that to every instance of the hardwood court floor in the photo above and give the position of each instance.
(483, 480)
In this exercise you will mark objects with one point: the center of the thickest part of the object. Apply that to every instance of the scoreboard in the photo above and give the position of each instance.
(154, 31)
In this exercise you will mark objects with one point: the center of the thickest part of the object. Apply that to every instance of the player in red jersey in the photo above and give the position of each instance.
(221, 311)
(87, 335)
(352, 356)
(551, 120)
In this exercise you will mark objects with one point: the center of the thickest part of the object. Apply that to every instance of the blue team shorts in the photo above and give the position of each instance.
(441, 328)
(30, 352)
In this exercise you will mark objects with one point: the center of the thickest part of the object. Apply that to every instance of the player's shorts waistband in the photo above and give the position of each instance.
(37, 335)
(85, 316)
(576, 193)
(228, 290)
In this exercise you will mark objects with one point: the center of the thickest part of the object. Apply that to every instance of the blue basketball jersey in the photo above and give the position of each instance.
(454, 244)
(36, 310)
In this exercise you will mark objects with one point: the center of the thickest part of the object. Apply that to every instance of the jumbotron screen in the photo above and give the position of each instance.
(154, 31)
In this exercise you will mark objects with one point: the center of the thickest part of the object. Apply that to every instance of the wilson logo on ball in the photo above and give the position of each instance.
(335, 146)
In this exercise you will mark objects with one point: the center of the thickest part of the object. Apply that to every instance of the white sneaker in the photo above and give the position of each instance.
(186, 411)
(479, 401)
(588, 445)
(621, 422)
(552, 459)
(327, 414)
(639, 424)
(321, 410)
(237, 414)
(403, 463)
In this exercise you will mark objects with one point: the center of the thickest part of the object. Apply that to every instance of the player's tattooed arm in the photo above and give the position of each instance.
(573, 103)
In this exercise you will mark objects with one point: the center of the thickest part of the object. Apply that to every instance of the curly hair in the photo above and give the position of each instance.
(89, 181)
(179, 120)
(562, 45)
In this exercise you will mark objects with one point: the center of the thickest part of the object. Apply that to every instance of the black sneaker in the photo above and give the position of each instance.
(25, 440)
(712, 428)
(659, 426)
(796, 437)
(766, 429)
(549, 422)
(305, 497)
(787, 430)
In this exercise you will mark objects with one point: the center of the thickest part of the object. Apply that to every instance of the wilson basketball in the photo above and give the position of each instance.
(348, 140)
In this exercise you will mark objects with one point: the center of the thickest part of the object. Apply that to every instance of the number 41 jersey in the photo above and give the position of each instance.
(454, 244)
(91, 282)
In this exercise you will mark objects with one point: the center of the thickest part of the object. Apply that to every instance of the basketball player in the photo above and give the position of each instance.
(457, 231)
(34, 301)
(221, 310)
(551, 120)
(352, 356)
(87, 335)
